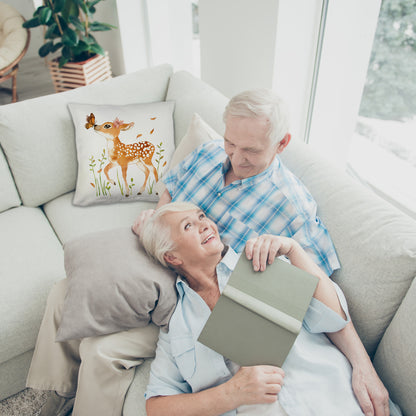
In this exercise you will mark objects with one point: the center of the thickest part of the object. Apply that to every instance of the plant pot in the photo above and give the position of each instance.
(78, 74)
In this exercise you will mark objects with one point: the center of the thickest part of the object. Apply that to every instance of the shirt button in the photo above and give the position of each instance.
(219, 194)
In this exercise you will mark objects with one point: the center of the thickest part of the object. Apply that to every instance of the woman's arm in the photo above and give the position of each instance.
(250, 385)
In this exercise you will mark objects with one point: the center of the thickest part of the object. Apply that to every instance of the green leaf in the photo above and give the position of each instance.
(44, 15)
(58, 5)
(34, 22)
(52, 31)
(100, 27)
(57, 46)
(66, 52)
(45, 49)
(70, 37)
(96, 48)
(77, 23)
(62, 62)
(70, 9)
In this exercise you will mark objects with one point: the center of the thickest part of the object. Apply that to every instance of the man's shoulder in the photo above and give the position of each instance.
(288, 183)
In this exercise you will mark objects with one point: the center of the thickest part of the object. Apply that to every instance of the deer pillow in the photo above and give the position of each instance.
(122, 150)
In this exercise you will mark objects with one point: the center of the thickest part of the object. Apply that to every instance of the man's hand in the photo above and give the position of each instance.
(141, 219)
(264, 249)
(370, 392)
(255, 385)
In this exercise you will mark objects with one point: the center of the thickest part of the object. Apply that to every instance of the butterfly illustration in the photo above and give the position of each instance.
(90, 121)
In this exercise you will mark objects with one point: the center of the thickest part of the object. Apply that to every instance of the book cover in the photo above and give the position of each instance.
(259, 314)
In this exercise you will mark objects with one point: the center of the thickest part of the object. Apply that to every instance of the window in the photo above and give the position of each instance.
(383, 147)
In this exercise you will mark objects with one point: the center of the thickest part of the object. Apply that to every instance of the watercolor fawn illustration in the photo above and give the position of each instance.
(122, 154)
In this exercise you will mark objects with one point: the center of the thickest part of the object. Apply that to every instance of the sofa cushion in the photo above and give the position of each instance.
(394, 359)
(374, 241)
(192, 95)
(31, 260)
(43, 127)
(9, 197)
(70, 221)
(144, 130)
(113, 286)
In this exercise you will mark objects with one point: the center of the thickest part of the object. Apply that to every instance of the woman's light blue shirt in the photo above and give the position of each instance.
(317, 375)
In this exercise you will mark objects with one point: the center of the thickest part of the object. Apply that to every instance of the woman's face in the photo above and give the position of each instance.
(195, 236)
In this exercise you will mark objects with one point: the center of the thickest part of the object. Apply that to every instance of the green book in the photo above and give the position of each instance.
(259, 314)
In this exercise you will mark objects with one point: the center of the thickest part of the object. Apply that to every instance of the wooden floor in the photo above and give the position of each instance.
(33, 80)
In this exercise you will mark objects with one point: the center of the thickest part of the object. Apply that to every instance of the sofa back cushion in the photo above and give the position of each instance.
(9, 197)
(191, 95)
(374, 241)
(394, 359)
(38, 135)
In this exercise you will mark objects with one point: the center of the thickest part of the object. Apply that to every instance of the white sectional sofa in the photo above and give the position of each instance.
(376, 243)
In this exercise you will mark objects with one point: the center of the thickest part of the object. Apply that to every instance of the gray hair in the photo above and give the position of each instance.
(261, 103)
(156, 236)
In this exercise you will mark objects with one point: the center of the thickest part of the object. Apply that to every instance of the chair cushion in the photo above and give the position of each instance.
(13, 35)
(31, 261)
(53, 172)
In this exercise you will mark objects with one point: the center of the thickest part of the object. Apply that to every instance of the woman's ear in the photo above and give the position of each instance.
(171, 259)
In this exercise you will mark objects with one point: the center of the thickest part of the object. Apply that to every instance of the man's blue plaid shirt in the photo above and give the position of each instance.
(273, 202)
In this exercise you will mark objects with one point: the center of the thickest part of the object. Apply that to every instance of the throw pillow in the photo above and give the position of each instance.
(122, 151)
(113, 285)
(198, 133)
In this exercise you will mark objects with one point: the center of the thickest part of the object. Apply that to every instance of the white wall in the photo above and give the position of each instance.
(170, 33)
(238, 42)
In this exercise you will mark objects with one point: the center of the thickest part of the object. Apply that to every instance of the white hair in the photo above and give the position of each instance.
(261, 103)
(156, 235)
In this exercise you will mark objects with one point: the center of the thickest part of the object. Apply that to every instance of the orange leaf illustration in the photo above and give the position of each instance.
(92, 184)
(153, 118)
(165, 163)
(151, 131)
(99, 171)
(139, 135)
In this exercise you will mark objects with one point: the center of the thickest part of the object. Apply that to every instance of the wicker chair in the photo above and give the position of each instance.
(14, 42)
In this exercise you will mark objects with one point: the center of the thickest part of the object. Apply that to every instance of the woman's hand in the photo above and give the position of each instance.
(141, 219)
(264, 249)
(255, 385)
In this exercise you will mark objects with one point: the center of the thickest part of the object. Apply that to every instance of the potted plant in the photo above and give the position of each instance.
(68, 32)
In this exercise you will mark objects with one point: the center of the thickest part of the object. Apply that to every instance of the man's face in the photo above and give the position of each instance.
(247, 146)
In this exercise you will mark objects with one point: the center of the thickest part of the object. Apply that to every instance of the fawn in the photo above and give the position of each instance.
(122, 154)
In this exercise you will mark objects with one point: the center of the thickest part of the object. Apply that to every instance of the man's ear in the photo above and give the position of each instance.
(172, 259)
(283, 143)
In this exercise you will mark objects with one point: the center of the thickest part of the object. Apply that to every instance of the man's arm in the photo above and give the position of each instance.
(368, 388)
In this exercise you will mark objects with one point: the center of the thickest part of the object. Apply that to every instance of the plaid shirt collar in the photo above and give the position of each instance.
(252, 180)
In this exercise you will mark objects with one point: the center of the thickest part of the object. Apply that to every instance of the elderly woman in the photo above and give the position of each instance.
(188, 378)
